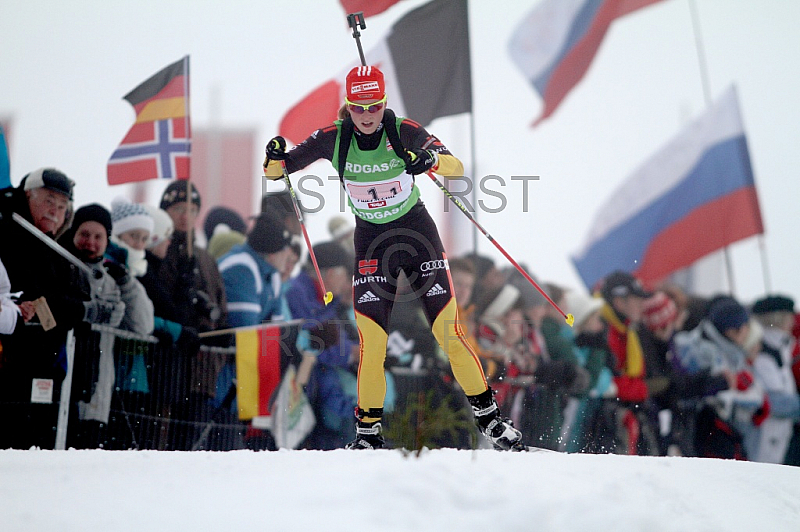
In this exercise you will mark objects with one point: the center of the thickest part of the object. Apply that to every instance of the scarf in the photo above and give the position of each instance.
(136, 260)
(623, 341)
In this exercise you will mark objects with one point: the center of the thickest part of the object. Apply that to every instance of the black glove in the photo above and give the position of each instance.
(276, 149)
(420, 161)
(117, 272)
(188, 342)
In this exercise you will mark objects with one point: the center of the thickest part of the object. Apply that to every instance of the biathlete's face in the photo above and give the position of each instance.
(367, 115)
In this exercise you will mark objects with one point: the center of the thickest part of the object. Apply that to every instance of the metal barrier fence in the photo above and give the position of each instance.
(129, 391)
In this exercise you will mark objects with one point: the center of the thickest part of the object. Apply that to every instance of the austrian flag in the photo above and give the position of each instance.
(158, 144)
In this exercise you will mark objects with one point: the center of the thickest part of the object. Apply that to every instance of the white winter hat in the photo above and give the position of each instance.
(582, 306)
(127, 216)
(162, 226)
(338, 227)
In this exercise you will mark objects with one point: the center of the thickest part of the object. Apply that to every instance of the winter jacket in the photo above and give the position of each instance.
(183, 277)
(252, 287)
(196, 298)
(9, 312)
(705, 347)
(331, 386)
(772, 368)
(670, 383)
(628, 358)
(37, 271)
(253, 294)
(725, 416)
(328, 330)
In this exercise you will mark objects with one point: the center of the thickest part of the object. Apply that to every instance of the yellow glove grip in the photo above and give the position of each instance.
(272, 169)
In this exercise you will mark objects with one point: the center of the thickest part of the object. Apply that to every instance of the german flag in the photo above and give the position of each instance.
(158, 144)
(258, 370)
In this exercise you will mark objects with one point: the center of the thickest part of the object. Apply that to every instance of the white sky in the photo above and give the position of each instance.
(66, 65)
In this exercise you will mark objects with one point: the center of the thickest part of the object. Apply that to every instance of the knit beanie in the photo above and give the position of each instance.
(338, 227)
(332, 255)
(622, 284)
(93, 212)
(223, 216)
(481, 263)
(268, 235)
(659, 311)
(176, 193)
(127, 216)
(727, 313)
(773, 303)
(162, 226)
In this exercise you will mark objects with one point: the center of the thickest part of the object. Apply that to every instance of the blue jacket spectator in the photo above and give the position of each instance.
(251, 273)
(331, 387)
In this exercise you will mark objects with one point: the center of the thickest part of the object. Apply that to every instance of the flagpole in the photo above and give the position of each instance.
(474, 164)
(473, 150)
(706, 84)
(190, 229)
(762, 246)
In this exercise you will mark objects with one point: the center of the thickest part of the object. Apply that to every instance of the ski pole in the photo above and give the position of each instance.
(55, 246)
(356, 20)
(569, 318)
(328, 295)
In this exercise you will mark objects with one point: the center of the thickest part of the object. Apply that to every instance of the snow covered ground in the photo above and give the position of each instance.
(442, 490)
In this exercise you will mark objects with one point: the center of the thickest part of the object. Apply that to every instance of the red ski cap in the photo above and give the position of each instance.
(365, 83)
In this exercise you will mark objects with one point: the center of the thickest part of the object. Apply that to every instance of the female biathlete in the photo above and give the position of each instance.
(377, 156)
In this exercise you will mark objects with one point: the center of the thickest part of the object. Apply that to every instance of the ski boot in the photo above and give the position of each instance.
(369, 434)
(498, 430)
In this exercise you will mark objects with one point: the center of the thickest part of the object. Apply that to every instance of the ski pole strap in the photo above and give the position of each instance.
(372, 412)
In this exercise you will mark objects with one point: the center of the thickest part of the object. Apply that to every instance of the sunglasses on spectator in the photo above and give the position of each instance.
(358, 109)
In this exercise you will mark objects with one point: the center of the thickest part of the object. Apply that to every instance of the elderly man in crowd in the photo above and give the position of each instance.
(33, 362)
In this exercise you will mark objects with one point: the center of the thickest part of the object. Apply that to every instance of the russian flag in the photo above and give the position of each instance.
(694, 196)
(557, 41)
(437, 31)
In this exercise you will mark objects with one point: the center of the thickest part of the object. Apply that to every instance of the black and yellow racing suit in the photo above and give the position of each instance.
(394, 232)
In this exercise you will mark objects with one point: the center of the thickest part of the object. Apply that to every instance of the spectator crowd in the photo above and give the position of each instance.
(151, 311)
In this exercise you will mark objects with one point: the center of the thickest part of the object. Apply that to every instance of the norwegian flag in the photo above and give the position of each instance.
(158, 145)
